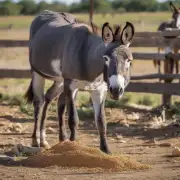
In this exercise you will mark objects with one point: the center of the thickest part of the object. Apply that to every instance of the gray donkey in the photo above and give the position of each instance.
(85, 61)
(174, 23)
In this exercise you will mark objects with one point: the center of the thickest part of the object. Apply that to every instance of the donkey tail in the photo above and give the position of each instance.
(29, 95)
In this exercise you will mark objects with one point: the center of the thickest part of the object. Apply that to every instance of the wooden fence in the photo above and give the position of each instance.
(168, 38)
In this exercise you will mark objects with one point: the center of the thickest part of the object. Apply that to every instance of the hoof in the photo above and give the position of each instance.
(35, 142)
(106, 150)
(45, 145)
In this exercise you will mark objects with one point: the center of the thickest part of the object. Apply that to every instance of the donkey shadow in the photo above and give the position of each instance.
(17, 120)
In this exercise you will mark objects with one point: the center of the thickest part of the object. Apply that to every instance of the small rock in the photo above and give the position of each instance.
(28, 150)
(96, 140)
(108, 111)
(5, 158)
(145, 129)
(165, 144)
(11, 138)
(126, 125)
(15, 127)
(152, 141)
(15, 151)
(2, 123)
(50, 130)
(121, 141)
(118, 136)
(112, 139)
(8, 131)
(176, 152)
(133, 116)
(18, 125)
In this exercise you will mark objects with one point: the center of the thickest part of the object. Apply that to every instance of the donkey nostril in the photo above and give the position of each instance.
(115, 91)
(120, 90)
(111, 90)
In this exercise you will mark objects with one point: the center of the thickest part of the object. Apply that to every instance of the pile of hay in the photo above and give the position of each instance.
(77, 155)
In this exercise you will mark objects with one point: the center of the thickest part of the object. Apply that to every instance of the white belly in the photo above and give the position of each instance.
(86, 85)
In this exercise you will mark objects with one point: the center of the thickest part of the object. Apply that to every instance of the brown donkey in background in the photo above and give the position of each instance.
(174, 23)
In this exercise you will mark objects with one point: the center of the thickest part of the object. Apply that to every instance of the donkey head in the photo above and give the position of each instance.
(175, 15)
(117, 58)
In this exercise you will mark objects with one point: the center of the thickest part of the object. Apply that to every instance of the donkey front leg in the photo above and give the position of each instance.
(38, 101)
(61, 108)
(73, 119)
(51, 94)
(98, 99)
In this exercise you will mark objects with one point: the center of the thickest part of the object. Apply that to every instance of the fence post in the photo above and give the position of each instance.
(91, 10)
(168, 69)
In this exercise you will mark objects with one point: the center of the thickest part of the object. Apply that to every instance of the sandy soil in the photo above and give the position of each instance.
(136, 136)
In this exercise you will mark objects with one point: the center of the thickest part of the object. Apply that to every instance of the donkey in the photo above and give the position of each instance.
(174, 23)
(55, 89)
(83, 59)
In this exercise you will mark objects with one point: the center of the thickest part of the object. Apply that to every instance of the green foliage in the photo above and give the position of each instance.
(28, 7)
(85, 113)
(26, 109)
(117, 104)
(12, 100)
(17, 100)
(7, 8)
(146, 100)
(31, 7)
(175, 109)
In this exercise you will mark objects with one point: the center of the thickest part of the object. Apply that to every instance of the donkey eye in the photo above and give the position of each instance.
(106, 58)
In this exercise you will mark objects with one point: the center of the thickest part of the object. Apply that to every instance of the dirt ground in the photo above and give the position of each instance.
(136, 136)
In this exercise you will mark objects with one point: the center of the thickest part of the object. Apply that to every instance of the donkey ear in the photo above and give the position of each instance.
(107, 33)
(173, 8)
(127, 34)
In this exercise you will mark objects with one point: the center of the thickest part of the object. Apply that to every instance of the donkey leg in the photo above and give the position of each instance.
(73, 119)
(51, 94)
(177, 63)
(61, 108)
(177, 68)
(98, 99)
(38, 101)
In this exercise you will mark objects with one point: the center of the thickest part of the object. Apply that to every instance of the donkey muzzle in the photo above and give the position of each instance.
(116, 93)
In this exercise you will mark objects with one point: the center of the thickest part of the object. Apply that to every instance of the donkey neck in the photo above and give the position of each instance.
(95, 52)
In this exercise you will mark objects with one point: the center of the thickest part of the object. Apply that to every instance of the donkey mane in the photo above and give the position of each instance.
(92, 27)
(83, 25)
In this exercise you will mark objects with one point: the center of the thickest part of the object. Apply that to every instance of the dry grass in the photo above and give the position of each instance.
(150, 20)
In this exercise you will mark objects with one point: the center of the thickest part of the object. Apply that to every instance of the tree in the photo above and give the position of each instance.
(43, 5)
(7, 7)
(27, 7)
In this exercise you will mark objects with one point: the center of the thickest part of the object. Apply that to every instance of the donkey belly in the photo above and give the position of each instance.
(87, 85)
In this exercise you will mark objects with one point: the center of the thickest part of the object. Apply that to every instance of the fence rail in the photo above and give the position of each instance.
(168, 38)
(137, 42)
(157, 88)
(25, 74)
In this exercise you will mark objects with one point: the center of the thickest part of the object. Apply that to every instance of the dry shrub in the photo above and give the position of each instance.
(76, 155)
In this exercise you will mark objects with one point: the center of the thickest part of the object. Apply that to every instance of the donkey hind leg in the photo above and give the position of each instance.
(98, 99)
(176, 63)
(70, 93)
(38, 83)
(50, 95)
(159, 64)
